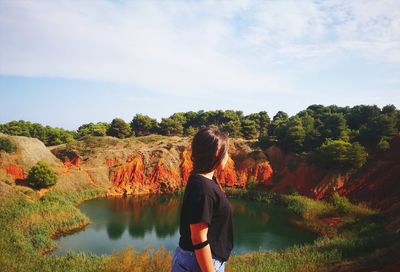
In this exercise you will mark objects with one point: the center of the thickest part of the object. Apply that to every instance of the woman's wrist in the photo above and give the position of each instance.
(204, 259)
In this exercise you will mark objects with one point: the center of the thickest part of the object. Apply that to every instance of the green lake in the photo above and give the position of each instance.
(154, 221)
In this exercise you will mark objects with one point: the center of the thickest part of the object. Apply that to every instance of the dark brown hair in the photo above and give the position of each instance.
(205, 144)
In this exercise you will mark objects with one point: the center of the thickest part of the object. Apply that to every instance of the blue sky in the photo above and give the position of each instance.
(65, 63)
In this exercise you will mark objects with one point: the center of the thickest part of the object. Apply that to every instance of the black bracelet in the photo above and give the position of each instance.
(201, 245)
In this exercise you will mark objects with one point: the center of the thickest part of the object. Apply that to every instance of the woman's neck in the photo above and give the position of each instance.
(208, 175)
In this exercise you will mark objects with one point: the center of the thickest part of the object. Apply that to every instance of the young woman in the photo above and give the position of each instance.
(206, 235)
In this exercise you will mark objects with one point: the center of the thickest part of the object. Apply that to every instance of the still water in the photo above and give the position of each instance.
(154, 220)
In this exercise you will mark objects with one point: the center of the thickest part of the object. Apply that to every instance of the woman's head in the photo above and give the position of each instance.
(209, 150)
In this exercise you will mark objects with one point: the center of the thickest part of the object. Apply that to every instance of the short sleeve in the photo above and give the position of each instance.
(201, 207)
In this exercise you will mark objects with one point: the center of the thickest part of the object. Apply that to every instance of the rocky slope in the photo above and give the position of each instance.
(154, 164)
(159, 164)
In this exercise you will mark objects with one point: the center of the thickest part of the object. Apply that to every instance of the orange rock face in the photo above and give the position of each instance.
(378, 182)
(164, 177)
(263, 172)
(186, 165)
(76, 161)
(330, 183)
(280, 171)
(227, 176)
(112, 162)
(238, 175)
(167, 177)
(302, 179)
(129, 173)
(16, 172)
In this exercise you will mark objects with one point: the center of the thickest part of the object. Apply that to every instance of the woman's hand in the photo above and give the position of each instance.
(198, 233)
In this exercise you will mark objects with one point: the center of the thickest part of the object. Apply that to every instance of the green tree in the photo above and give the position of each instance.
(18, 128)
(262, 121)
(100, 129)
(295, 134)
(380, 126)
(334, 127)
(190, 131)
(119, 128)
(40, 132)
(277, 124)
(249, 129)
(389, 109)
(91, 129)
(56, 136)
(360, 115)
(41, 176)
(383, 144)
(143, 125)
(342, 154)
(278, 128)
(311, 133)
(7, 145)
(171, 126)
(229, 121)
(48, 135)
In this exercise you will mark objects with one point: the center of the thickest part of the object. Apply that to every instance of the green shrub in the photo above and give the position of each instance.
(305, 207)
(341, 203)
(7, 145)
(251, 183)
(41, 176)
(342, 154)
(383, 144)
(149, 138)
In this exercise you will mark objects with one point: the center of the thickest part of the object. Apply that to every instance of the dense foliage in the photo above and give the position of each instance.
(7, 145)
(342, 154)
(119, 128)
(92, 129)
(143, 125)
(340, 136)
(48, 135)
(41, 176)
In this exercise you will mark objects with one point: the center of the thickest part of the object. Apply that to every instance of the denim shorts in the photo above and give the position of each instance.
(184, 260)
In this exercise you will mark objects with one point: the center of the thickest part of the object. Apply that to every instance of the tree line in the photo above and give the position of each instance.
(339, 135)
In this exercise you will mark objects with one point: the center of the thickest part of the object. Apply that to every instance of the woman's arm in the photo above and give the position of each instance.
(198, 233)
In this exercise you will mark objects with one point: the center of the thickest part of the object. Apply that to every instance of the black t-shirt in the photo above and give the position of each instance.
(203, 201)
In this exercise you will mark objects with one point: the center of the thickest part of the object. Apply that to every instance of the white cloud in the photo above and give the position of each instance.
(295, 30)
(184, 47)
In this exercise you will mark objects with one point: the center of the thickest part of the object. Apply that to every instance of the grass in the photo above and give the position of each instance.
(150, 138)
(148, 260)
(359, 233)
(262, 196)
(27, 227)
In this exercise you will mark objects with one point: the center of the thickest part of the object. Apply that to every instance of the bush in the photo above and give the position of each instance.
(342, 154)
(251, 183)
(119, 128)
(7, 145)
(41, 176)
(383, 145)
(341, 203)
(305, 206)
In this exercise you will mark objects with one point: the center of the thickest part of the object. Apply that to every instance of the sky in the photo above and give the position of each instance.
(66, 63)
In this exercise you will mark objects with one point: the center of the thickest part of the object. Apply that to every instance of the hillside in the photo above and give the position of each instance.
(161, 164)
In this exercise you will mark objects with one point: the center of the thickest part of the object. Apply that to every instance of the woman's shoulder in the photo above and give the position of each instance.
(199, 182)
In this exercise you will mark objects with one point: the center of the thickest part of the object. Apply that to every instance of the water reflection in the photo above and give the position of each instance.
(141, 215)
(154, 220)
